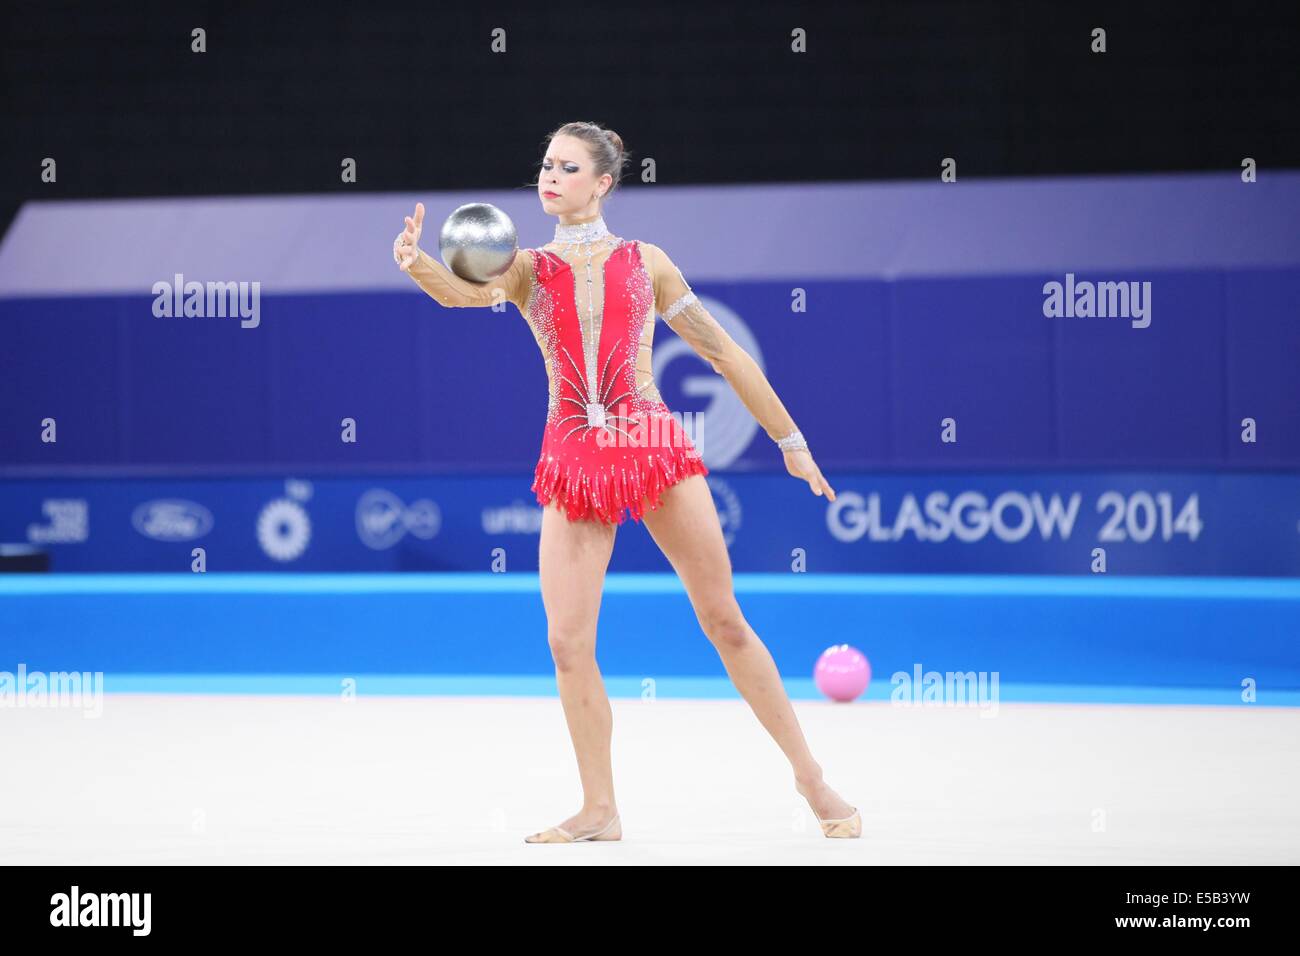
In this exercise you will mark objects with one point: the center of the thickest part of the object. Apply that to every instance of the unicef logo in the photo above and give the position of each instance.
(383, 520)
(172, 520)
(283, 529)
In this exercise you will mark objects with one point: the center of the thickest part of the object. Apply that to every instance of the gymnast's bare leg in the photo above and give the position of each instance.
(572, 561)
(687, 530)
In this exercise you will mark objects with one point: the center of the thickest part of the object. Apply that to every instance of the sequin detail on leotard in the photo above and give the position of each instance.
(610, 444)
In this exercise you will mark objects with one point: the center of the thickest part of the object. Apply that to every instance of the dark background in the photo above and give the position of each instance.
(711, 91)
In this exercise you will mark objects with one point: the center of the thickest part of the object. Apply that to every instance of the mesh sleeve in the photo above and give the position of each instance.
(450, 290)
(688, 317)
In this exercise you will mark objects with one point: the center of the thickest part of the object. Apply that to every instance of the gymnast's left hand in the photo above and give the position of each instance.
(799, 463)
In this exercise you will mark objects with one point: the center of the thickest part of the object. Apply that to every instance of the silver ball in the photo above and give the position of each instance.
(478, 242)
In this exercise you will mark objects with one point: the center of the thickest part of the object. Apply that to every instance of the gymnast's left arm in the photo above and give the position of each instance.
(686, 315)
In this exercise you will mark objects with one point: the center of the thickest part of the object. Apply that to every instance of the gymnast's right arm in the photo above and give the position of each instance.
(449, 289)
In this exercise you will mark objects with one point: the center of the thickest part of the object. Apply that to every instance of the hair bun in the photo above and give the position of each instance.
(615, 139)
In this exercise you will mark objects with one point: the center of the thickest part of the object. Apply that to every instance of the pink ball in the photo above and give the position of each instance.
(842, 672)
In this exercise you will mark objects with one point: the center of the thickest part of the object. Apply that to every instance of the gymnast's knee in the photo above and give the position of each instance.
(725, 625)
(571, 647)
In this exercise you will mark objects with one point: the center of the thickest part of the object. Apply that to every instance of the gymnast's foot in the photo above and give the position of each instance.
(827, 805)
(596, 822)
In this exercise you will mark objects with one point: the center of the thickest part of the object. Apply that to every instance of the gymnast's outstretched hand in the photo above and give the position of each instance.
(406, 248)
(799, 462)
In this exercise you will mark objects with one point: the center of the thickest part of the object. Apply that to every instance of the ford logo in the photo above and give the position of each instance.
(172, 520)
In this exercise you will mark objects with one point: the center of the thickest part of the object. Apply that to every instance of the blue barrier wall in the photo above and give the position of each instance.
(920, 303)
(869, 373)
(1044, 639)
(1146, 523)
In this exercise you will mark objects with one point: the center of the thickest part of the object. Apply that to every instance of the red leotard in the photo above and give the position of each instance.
(609, 445)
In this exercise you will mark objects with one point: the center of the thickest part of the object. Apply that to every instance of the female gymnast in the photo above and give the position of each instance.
(590, 298)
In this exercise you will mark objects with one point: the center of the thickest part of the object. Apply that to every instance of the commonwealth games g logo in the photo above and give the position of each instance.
(727, 424)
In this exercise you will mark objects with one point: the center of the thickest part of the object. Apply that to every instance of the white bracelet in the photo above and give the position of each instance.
(792, 442)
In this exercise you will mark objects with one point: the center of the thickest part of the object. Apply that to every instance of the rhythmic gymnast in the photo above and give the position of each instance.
(590, 298)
